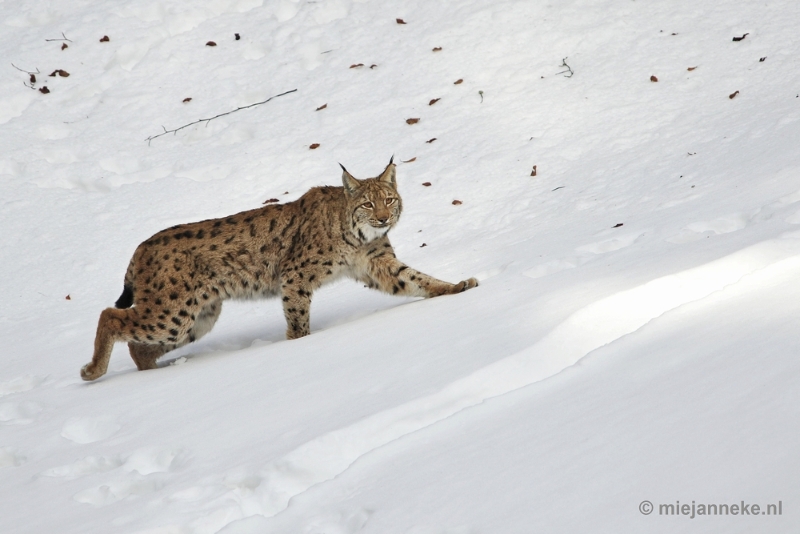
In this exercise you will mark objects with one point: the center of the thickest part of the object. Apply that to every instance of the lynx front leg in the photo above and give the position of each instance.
(392, 276)
(296, 308)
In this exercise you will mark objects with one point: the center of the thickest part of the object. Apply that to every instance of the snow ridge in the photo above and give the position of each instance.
(588, 329)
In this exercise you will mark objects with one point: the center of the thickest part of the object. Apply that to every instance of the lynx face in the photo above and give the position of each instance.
(374, 204)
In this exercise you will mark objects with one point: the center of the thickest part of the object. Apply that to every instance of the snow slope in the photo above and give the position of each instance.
(633, 337)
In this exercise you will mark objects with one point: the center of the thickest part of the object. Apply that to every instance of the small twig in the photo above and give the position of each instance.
(25, 71)
(62, 35)
(569, 69)
(175, 131)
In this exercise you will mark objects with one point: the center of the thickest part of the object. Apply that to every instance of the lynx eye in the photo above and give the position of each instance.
(368, 205)
(390, 201)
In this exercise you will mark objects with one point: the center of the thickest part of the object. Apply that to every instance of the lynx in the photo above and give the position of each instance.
(177, 280)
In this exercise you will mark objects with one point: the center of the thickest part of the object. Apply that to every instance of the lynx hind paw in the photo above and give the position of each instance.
(466, 284)
(89, 372)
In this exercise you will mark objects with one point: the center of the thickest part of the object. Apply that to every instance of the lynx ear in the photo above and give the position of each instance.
(389, 173)
(349, 182)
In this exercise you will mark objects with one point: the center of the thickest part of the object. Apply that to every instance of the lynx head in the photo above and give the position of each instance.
(373, 204)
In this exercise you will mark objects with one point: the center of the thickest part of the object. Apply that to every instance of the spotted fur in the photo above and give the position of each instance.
(177, 280)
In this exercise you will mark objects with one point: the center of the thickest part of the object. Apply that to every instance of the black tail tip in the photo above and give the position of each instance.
(126, 299)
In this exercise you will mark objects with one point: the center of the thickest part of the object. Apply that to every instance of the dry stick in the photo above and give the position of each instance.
(175, 131)
(62, 35)
(25, 71)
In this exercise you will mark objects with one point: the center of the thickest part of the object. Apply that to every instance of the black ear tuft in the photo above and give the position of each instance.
(389, 173)
(348, 181)
(391, 160)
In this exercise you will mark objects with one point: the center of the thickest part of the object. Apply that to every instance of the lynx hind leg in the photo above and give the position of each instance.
(112, 327)
(205, 321)
(129, 325)
(145, 355)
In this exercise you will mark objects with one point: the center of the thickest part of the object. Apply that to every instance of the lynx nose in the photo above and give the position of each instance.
(383, 220)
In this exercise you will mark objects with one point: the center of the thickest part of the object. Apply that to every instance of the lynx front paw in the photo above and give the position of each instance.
(90, 372)
(466, 284)
(296, 334)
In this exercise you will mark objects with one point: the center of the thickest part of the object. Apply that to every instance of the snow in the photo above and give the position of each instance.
(633, 337)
